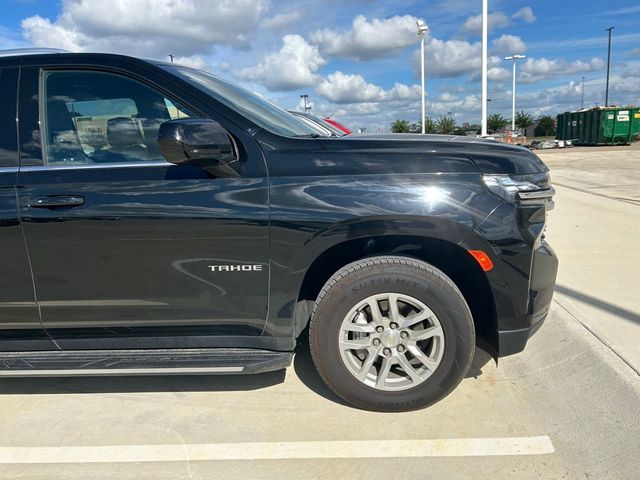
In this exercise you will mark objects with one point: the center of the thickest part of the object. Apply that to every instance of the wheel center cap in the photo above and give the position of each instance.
(390, 338)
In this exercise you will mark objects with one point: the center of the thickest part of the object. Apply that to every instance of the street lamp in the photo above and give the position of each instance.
(514, 59)
(307, 107)
(422, 32)
(485, 33)
(582, 102)
(606, 97)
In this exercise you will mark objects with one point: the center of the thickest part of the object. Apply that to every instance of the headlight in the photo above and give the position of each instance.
(534, 189)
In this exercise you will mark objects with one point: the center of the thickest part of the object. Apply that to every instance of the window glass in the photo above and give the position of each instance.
(260, 111)
(98, 117)
(8, 139)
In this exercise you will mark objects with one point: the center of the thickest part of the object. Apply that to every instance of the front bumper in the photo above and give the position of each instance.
(541, 285)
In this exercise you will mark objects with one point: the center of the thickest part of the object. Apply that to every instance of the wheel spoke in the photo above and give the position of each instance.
(426, 361)
(415, 318)
(383, 373)
(366, 365)
(359, 328)
(408, 369)
(376, 314)
(417, 335)
(394, 311)
(356, 344)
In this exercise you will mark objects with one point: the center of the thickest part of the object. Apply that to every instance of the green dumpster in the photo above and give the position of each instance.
(600, 126)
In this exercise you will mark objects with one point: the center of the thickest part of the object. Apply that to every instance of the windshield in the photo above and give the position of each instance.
(260, 111)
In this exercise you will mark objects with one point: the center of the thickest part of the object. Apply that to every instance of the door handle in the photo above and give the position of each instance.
(56, 201)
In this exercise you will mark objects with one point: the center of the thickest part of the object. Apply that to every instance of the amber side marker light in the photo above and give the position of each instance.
(483, 259)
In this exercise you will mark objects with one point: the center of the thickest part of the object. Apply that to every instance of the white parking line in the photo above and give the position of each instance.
(455, 447)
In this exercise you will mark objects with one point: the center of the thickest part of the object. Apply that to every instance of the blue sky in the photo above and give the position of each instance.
(359, 60)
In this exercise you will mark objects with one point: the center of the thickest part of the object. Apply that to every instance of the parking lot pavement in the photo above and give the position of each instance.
(595, 229)
(567, 407)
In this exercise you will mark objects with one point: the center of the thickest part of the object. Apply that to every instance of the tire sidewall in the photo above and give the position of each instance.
(446, 303)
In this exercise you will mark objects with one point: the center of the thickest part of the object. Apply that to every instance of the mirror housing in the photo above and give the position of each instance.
(199, 141)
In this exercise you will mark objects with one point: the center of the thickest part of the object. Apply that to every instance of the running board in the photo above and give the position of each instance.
(206, 361)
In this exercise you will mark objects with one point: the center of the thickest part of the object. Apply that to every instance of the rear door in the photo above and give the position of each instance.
(20, 327)
(126, 247)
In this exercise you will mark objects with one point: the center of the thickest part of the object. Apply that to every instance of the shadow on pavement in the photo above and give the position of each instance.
(306, 372)
(140, 384)
(601, 304)
(302, 364)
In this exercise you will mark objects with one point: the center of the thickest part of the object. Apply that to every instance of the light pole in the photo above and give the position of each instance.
(307, 108)
(582, 101)
(485, 9)
(422, 32)
(606, 97)
(514, 59)
(171, 57)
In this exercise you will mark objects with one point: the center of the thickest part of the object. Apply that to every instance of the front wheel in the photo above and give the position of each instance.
(391, 334)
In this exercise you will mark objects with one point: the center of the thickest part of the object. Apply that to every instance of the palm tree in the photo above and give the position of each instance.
(446, 125)
(401, 126)
(429, 126)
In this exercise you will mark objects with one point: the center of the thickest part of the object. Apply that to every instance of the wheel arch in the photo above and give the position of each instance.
(453, 259)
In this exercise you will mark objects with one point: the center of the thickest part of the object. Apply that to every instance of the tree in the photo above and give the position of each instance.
(401, 126)
(546, 126)
(429, 125)
(496, 122)
(524, 120)
(446, 125)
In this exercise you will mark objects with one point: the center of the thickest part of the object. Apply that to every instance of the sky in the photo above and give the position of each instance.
(359, 60)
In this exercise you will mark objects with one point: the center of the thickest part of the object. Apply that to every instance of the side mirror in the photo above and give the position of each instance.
(199, 141)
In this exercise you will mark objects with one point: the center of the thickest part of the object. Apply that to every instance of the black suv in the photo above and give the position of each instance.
(156, 219)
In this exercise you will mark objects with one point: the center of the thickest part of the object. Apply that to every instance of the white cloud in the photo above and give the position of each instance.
(148, 27)
(451, 58)
(509, 44)
(281, 20)
(497, 74)
(344, 88)
(526, 14)
(534, 70)
(195, 61)
(368, 39)
(473, 25)
(293, 66)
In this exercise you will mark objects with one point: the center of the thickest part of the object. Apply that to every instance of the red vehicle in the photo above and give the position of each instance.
(337, 125)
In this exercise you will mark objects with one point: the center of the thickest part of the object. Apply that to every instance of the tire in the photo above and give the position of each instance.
(396, 369)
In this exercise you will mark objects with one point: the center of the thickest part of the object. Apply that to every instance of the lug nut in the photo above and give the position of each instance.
(376, 342)
(401, 348)
(394, 325)
(387, 352)
(404, 335)
(379, 329)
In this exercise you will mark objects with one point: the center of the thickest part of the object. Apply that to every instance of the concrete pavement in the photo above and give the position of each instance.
(595, 230)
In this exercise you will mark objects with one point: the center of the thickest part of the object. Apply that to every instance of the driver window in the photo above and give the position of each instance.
(98, 117)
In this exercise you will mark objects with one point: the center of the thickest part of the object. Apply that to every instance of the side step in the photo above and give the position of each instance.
(141, 362)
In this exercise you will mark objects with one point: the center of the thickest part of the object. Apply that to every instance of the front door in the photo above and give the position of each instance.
(127, 250)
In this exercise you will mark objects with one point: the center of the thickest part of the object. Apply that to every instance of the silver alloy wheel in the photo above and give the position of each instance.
(391, 341)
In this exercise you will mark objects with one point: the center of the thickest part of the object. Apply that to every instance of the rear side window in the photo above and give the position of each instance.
(8, 138)
(99, 117)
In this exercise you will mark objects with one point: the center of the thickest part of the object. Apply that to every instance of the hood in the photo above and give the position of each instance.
(489, 156)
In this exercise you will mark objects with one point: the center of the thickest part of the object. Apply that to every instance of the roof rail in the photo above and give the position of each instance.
(30, 51)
